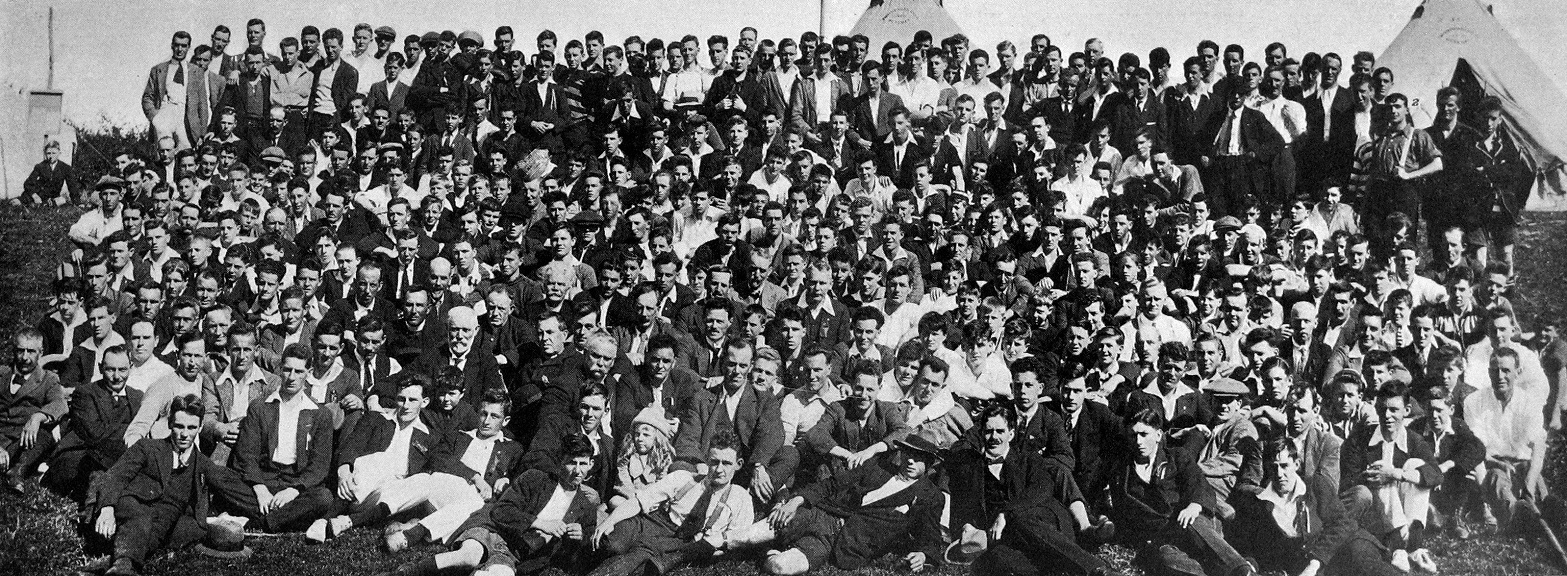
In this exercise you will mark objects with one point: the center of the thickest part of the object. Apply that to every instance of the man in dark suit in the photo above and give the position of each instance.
(1136, 111)
(1457, 451)
(542, 118)
(1241, 144)
(1011, 494)
(389, 92)
(754, 418)
(853, 432)
(339, 79)
(1163, 503)
(31, 404)
(1061, 110)
(1308, 356)
(1095, 432)
(737, 149)
(1318, 448)
(95, 436)
(1329, 142)
(839, 147)
(287, 474)
(520, 532)
(859, 515)
(826, 319)
(1188, 108)
(480, 371)
(871, 112)
(156, 495)
(1320, 535)
(438, 89)
(900, 151)
(737, 92)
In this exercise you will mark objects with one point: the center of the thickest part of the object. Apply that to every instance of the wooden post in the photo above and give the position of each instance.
(51, 48)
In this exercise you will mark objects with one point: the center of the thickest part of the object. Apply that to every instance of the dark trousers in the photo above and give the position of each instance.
(644, 539)
(1262, 539)
(1383, 198)
(72, 473)
(144, 528)
(1228, 180)
(297, 515)
(25, 462)
(1032, 544)
(1177, 550)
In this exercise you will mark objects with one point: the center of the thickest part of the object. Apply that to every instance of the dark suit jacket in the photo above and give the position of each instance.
(1320, 458)
(1327, 526)
(1334, 155)
(1258, 136)
(713, 162)
(40, 393)
(756, 424)
(1098, 434)
(480, 373)
(258, 437)
(886, 422)
(395, 100)
(512, 514)
(1128, 118)
(1460, 446)
(1032, 494)
(144, 472)
(374, 434)
(902, 173)
(544, 452)
(553, 109)
(97, 426)
(1188, 125)
(505, 459)
(873, 125)
(870, 531)
(1357, 453)
(1150, 507)
(345, 83)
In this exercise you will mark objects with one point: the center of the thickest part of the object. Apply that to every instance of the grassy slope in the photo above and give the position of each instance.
(36, 536)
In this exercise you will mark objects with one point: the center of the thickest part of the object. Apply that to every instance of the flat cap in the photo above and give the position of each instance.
(1222, 386)
(385, 31)
(468, 36)
(273, 154)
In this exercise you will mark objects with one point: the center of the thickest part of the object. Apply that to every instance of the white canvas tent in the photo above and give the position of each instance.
(1460, 43)
(897, 21)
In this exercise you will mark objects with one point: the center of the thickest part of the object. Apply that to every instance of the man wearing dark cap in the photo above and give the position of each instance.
(438, 87)
(1232, 456)
(859, 515)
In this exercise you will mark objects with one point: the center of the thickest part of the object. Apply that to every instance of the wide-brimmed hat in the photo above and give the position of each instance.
(967, 547)
(920, 444)
(225, 540)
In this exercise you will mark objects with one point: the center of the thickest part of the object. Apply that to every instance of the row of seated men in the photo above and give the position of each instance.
(1191, 465)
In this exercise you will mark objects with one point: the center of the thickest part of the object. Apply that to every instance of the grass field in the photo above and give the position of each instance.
(37, 535)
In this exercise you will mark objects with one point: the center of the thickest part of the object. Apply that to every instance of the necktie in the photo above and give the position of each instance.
(1302, 516)
(696, 520)
(179, 73)
(367, 373)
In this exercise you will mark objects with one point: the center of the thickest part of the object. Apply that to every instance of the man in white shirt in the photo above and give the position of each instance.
(1288, 117)
(1514, 434)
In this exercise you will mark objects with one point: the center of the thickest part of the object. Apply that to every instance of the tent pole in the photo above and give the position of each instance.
(821, 27)
(51, 48)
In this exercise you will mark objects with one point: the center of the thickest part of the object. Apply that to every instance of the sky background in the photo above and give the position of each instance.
(103, 50)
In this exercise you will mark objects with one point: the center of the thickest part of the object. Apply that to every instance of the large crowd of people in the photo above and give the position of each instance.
(605, 309)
